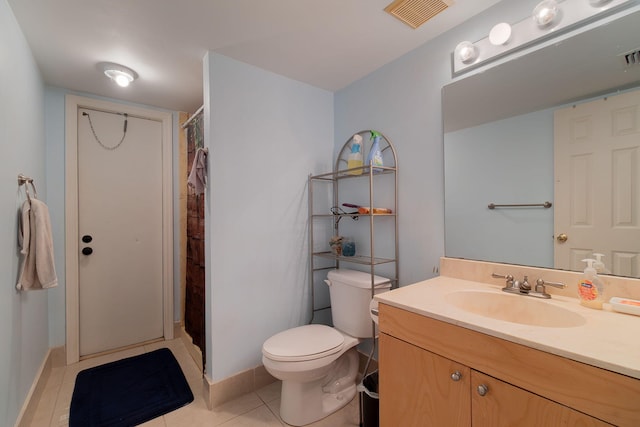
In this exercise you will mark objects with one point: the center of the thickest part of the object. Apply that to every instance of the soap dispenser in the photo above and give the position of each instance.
(599, 264)
(590, 287)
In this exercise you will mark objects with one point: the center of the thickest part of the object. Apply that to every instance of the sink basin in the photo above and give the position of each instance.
(515, 308)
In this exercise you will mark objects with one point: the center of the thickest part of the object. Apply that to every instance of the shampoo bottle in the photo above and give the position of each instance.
(590, 287)
(375, 155)
(355, 159)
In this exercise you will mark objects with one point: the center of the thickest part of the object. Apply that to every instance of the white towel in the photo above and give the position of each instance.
(38, 268)
(198, 175)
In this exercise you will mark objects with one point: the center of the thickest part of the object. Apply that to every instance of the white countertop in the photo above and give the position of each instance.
(607, 339)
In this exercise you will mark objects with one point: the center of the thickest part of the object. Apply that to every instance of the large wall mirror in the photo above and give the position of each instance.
(499, 141)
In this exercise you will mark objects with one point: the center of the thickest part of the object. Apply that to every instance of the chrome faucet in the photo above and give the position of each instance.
(511, 285)
(524, 287)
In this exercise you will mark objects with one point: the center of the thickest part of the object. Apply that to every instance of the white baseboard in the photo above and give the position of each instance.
(217, 393)
(194, 351)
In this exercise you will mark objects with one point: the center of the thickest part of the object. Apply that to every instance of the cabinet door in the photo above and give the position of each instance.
(504, 405)
(417, 387)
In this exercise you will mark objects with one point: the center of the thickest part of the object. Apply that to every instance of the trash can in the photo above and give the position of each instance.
(369, 400)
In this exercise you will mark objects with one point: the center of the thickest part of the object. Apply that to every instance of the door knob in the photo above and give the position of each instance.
(483, 389)
(562, 238)
(87, 238)
(87, 251)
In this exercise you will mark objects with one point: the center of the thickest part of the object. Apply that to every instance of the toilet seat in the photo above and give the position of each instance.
(303, 343)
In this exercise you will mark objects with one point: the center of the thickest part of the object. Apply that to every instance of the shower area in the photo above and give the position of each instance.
(193, 242)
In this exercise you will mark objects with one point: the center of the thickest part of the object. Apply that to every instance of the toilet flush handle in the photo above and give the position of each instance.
(328, 282)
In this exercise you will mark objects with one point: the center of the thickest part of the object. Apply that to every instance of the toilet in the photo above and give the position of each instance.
(318, 364)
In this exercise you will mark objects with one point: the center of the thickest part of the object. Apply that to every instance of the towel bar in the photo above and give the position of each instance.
(545, 205)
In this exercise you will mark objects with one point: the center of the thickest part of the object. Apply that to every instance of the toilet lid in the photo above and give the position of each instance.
(303, 343)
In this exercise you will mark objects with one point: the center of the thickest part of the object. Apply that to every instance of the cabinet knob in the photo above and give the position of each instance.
(456, 376)
(483, 389)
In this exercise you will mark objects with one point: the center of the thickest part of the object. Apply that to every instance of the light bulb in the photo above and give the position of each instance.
(467, 52)
(545, 13)
(122, 80)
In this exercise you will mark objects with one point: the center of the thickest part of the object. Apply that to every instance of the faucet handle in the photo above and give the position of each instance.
(525, 285)
(507, 277)
(542, 282)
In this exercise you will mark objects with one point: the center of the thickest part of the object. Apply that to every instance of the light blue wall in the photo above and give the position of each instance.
(265, 134)
(402, 99)
(506, 161)
(24, 326)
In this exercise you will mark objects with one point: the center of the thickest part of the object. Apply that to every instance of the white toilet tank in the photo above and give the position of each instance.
(350, 293)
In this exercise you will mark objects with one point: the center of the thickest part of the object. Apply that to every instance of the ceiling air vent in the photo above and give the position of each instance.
(416, 12)
(631, 58)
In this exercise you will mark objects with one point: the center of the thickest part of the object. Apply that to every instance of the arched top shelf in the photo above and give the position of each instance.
(371, 196)
(390, 160)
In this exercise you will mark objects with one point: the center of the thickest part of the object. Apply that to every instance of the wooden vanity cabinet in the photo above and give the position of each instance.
(421, 388)
(504, 405)
(418, 388)
(525, 387)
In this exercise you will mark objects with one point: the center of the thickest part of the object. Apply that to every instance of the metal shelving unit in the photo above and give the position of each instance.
(364, 182)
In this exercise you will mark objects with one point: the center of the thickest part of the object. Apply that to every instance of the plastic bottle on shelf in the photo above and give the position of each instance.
(355, 159)
(348, 247)
(599, 264)
(590, 287)
(375, 155)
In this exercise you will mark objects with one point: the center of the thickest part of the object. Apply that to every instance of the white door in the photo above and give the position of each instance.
(120, 282)
(597, 192)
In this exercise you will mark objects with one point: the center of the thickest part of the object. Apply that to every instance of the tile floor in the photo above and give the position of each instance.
(253, 409)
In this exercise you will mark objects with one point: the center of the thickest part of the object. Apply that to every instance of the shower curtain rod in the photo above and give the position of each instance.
(198, 111)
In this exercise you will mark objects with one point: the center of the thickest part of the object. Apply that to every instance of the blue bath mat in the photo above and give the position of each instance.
(129, 392)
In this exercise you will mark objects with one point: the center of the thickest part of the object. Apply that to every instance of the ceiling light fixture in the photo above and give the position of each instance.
(120, 74)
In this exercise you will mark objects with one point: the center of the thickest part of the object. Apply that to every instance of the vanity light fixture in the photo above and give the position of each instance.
(500, 34)
(120, 74)
(467, 52)
(550, 19)
(545, 13)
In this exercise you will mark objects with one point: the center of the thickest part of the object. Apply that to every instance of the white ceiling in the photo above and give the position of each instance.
(326, 43)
